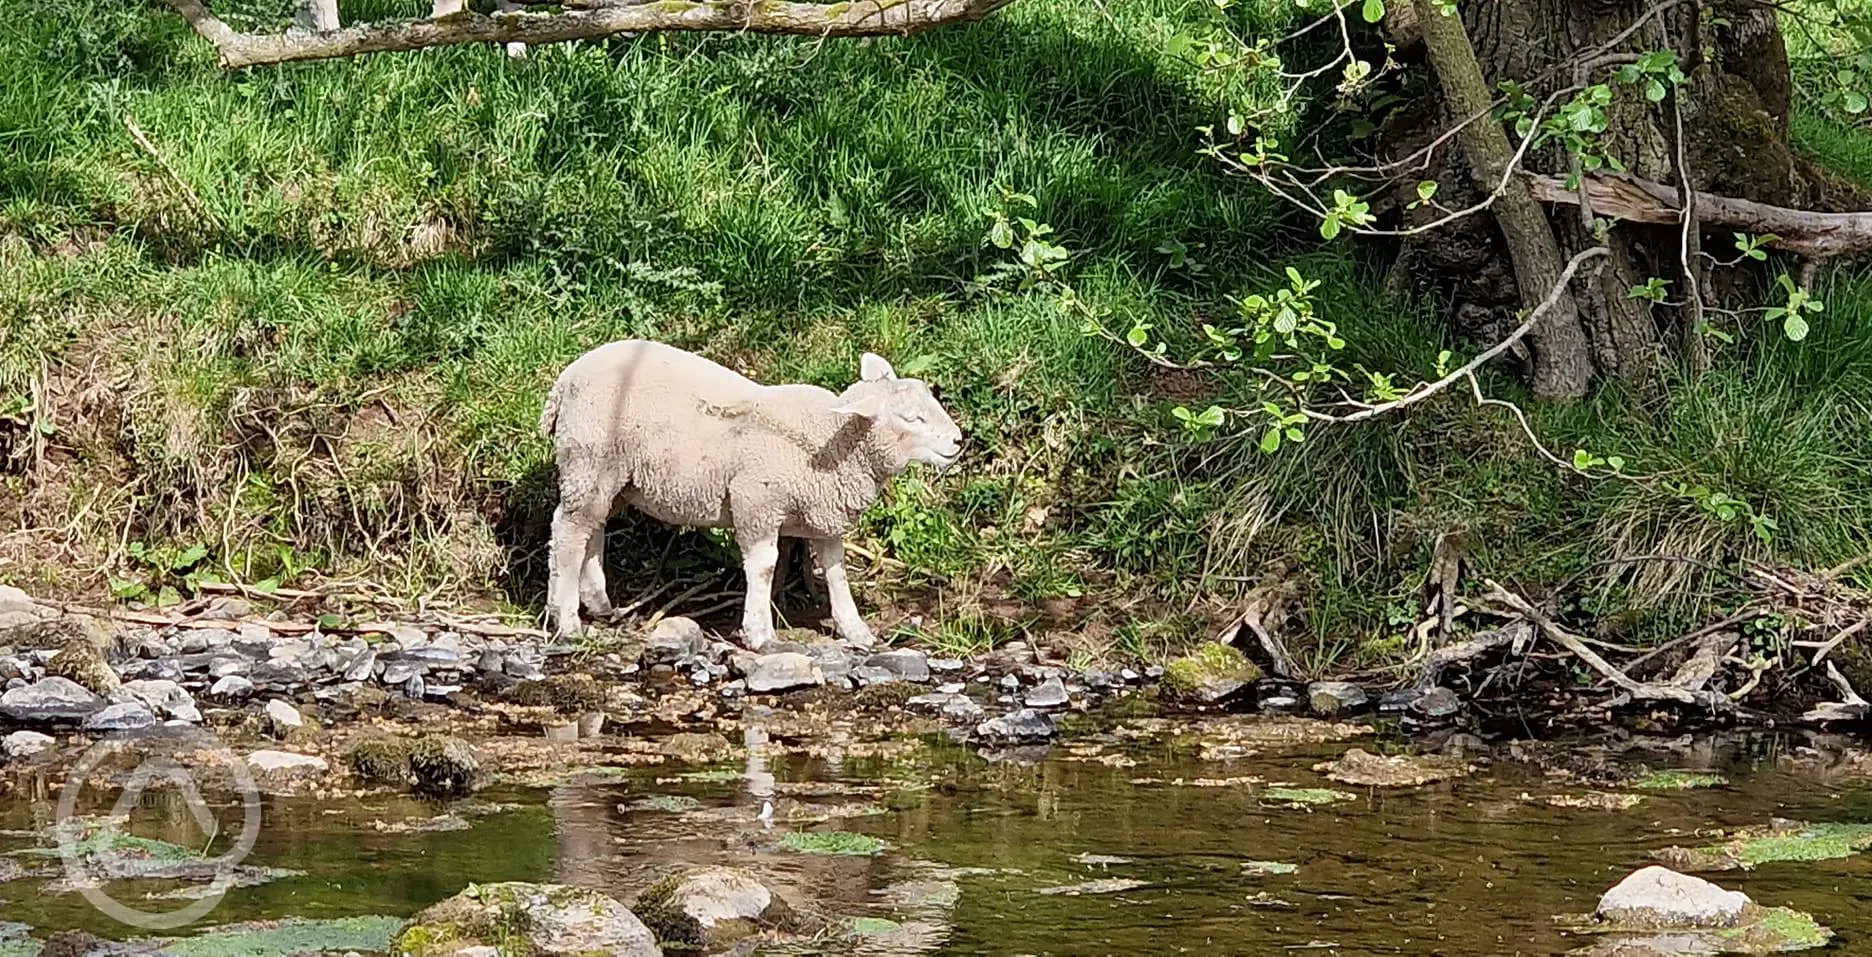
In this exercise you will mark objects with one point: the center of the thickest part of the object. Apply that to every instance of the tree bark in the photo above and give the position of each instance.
(1562, 364)
(1734, 151)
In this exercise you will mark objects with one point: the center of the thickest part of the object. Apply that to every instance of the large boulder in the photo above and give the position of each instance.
(547, 920)
(708, 907)
(444, 766)
(1660, 898)
(83, 662)
(1210, 673)
(674, 641)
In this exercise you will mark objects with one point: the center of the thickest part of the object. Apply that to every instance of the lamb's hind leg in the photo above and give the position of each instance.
(585, 498)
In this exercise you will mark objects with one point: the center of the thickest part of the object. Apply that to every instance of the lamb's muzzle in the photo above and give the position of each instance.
(692, 443)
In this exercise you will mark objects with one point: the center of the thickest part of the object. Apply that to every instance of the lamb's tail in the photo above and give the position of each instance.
(549, 416)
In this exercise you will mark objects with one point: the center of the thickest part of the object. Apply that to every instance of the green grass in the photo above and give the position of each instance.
(333, 335)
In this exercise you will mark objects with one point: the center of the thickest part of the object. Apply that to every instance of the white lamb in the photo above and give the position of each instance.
(692, 443)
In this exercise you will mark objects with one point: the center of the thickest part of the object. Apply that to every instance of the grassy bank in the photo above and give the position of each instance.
(306, 324)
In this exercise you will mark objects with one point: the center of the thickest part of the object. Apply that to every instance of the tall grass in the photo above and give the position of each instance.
(322, 315)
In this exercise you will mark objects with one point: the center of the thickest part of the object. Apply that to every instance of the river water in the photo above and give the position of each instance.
(1123, 841)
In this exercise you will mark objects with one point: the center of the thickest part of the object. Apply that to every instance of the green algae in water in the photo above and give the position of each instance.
(1678, 781)
(1306, 796)
(673, 803)
(717, 775)
(1269, 867)
(831, 842)
(1816, 842)
(873, 926)
(290, 937)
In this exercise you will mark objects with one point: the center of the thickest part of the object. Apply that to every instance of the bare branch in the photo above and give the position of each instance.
(603, 18)
(1816, 235)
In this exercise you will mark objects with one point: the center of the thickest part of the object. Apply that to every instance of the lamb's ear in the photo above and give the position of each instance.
(875, 368)
(865, 407)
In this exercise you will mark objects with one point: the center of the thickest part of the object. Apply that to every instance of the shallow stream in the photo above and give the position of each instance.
(1117, 841)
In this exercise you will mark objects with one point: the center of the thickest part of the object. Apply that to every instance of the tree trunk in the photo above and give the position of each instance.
(1735, 123)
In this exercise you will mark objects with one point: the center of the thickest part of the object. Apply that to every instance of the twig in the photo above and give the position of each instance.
(1637, 689)
(188, 192)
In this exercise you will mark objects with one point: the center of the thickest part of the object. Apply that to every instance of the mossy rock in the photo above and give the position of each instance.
(567, 694)
(527, 920)
(380, 760)
(885, 696)
(82, 662)
(444, 766)
(1209, 673)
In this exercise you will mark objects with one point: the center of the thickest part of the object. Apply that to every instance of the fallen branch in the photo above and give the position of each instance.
(1637, 689)
(1800, 231)
(859, 18)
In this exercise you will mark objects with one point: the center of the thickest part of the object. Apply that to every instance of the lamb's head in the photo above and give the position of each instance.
(904, 415)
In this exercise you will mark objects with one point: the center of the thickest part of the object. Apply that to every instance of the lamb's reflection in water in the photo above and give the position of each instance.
(621, 836)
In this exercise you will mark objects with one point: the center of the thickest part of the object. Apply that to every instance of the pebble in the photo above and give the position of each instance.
(1332, 698)
(1025, 725)
(125, 716)
(282, 718)
(904, 663)
(232, 686)
(782, 672)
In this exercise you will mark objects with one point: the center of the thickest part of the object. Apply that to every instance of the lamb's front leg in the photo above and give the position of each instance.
(851, 625)
(760, 552)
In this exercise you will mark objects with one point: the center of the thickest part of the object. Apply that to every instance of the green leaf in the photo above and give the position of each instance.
(194, 554)
(1373, 11)
(1654, 91)
(1271, 441)
(1582, 459)
(1182, 414)
(1795, 326)
(1211, 417)
(1426, 189)
(126, 589)
(330, 620)
(1295, 435)
(1855, 102)
(1138, 335)
(267, 586)
(1615, 463)
(1329, 227)
(1001, 234)
(168, 596)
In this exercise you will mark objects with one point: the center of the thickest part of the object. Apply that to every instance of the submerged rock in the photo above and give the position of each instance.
(1660, 898)
(782, 672)
(549, 920)
(50, 699)
(1025, 725)
(1362, 768)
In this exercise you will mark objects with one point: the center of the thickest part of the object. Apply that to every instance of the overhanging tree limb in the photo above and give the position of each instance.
(602, 19)
(1800, 231)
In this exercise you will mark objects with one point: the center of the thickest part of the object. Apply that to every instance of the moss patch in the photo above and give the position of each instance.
(380, 760)
(290, 937)
(568, 694)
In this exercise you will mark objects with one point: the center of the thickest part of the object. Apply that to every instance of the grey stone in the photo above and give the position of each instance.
(1331, 698)
(951, 687)
(1153, 672)
(1129, 675)
(398, 672)
(360, 666)
(905, 663)
(232, 687)
(525, 670)
(282, 719)
(22, 744)
(835, 661)
(223, 666)
(707, 898)
(1437, 704)
(948, 704)
(50, 699)
(492, 661)
(1280, 704)
(11, 668)
(673, 641)
(285, 763)
(1010, 682)
(1025, 725)
(782, 672)
(415, 688)
(866, 676)
(947, 666)
(1660, 898)
(226, 608)
(126, 716)
(165, 698)
(1050, 693)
